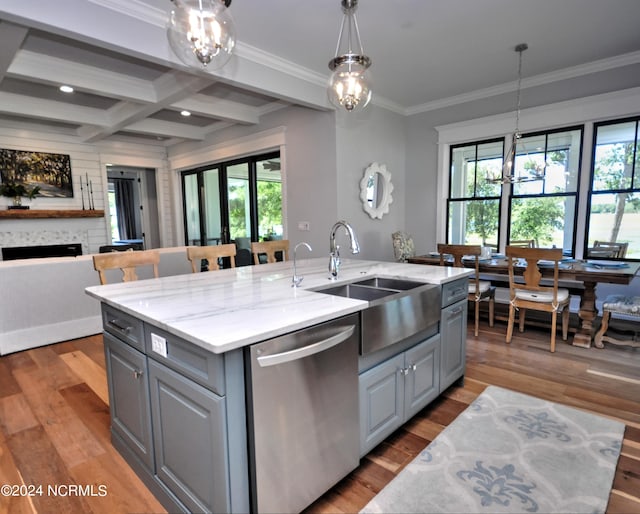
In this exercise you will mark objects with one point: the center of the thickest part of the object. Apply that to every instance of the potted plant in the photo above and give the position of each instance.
(17, 191)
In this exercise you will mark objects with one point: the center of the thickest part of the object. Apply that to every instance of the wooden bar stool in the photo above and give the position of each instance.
(270, 248)
(196, 254)
(127, 262)
(618, 304)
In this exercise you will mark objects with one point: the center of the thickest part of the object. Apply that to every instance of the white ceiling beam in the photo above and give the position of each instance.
(168, 88)
(145, 38)
(52, 70)
(11, 103)
(219, 108)
(166, 129)
(11, 37)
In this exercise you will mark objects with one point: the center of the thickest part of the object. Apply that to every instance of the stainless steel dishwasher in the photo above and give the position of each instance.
(303, 414)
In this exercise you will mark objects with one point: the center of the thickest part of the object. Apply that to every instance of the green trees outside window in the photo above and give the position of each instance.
(615, 186)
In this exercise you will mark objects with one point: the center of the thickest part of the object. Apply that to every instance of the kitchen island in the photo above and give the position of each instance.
(179, 378)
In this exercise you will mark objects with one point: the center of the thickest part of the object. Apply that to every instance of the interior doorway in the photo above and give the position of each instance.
(133, 206)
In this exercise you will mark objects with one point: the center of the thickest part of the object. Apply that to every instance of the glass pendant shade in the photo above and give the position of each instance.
(202, 32)
(350, 83)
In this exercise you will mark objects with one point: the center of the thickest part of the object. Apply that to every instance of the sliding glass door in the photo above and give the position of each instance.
(237, 201)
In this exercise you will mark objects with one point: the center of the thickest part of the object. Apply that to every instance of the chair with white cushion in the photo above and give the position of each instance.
(628, 306)
(479, 290)
(530, 294)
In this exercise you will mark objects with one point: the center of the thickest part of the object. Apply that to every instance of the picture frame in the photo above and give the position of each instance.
(51, 172)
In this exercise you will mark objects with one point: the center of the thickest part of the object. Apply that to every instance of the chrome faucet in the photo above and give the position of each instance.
(334, 249)
(295, 280)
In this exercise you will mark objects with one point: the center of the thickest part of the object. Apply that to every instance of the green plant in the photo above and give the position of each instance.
(15, 189)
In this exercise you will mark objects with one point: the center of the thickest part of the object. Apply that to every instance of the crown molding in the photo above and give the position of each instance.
(538, 80)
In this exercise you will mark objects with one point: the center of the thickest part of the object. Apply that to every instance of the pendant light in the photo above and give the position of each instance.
(349, 84)
(202, 32)
(532, 171)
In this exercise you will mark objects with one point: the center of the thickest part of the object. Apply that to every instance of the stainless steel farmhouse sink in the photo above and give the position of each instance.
(397, 308)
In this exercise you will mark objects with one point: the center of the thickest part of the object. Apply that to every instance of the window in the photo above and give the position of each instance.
(473, 207)
(543, 210)
(614, 206)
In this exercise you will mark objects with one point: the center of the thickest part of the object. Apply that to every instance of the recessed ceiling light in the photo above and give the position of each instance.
(66, 89)
(185, 113)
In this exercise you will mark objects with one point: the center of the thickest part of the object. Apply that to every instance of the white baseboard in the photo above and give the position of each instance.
(42, 335)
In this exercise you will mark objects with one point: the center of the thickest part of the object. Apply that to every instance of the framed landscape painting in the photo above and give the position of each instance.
(51, 172)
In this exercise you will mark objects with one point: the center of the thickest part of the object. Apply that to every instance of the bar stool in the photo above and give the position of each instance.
(618, 304)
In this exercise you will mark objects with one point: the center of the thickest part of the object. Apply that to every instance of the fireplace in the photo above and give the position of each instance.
(38, 251)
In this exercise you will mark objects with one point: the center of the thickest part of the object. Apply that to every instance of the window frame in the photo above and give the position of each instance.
(576, 194)
(463, 199)
(635, 173)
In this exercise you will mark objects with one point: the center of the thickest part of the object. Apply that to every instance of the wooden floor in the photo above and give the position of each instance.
(54, 421)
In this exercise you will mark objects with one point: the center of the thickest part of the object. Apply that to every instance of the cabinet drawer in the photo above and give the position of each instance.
(124, 326)
(201, 366)
(455, 291)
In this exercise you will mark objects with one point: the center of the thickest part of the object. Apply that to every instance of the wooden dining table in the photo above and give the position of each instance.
(588, 273)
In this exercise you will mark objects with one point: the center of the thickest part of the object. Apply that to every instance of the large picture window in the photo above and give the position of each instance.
(543, 210)
(614, 206)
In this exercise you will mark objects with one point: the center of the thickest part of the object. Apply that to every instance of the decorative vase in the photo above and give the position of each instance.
(17, 201)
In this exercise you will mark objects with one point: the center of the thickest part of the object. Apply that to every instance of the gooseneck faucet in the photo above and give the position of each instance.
(295, 280)
(334, 249)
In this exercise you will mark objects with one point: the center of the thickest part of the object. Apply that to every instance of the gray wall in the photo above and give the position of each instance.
(377, 135)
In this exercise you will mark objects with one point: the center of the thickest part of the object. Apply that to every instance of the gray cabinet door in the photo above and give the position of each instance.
(453, 332)
(189, 432)
(422, 378)
(381, 391)
(129, 397)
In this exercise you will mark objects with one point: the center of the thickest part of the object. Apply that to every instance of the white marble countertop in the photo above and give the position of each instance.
(228, 309)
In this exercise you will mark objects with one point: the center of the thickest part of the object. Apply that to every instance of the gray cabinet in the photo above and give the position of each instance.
(396, 389)
(189, 433)
(177, 416)
(129, 398)
(453, 333)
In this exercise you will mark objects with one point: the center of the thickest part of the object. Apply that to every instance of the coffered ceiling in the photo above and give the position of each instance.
(426, 54)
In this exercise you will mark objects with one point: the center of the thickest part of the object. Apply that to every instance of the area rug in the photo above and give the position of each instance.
(509, 452)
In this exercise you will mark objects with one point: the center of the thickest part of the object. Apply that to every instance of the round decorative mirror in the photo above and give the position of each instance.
(375, 190)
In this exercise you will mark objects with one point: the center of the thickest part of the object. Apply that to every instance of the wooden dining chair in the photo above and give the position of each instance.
(211, 254)
(127, 262)
(524, 243)
(479, 290)
(617, 250)
(270, 249)
(530, 294)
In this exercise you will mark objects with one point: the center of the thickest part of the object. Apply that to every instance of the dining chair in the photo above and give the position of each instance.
(211, 254)
(270, 249)
(127, 262)
(530, 294)
(479, 290)
(524, 243)
(617, 250)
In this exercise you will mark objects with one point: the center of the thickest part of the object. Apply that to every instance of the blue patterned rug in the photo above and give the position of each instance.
(509, 452)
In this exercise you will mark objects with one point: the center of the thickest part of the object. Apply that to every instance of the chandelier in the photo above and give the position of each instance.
(202, 32)
(531, 170)
(349, 84)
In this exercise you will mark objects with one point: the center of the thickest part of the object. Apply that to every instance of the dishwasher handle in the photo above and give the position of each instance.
(305, 351)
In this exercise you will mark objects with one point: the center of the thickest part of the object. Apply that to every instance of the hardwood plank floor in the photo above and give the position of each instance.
(54, 420)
